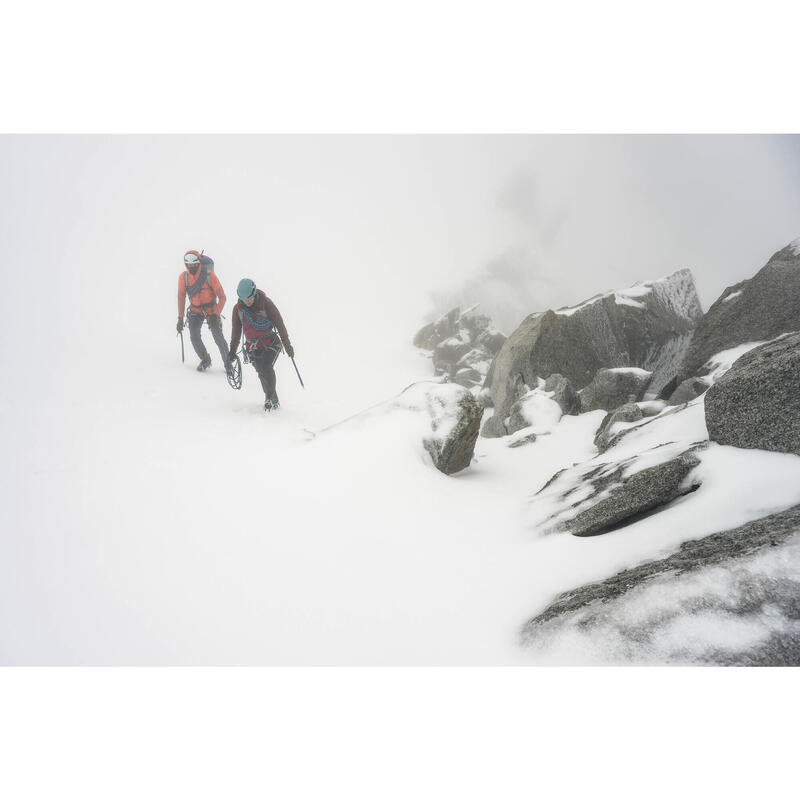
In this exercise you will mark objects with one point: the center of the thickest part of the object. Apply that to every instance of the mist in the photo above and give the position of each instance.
(369, 236)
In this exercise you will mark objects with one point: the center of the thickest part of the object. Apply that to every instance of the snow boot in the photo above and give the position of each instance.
(271, 403)
(204, 364)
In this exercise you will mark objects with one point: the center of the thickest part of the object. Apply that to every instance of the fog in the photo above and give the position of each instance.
(371, 236)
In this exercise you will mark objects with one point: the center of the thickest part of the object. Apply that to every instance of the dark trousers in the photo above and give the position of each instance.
(215, 324)
(263, 360)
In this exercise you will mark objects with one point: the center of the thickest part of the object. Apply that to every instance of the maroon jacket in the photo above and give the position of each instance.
(262, 304)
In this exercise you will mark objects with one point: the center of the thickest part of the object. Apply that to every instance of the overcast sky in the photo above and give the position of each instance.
(373, 225)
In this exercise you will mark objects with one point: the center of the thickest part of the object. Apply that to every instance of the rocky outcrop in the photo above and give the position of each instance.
(528, 438)
(748, 593)
(688, 390)
(613, 427)
(611, 388)
(758, 309)
(537, 410)
(455, 424)
(756, 403)
(647, 326)
(436, 332)
(463, 345)
(630, 412)
(563, 393)
(494, 427)
(597, 498)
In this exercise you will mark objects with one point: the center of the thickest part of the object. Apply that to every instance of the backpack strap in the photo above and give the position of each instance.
(196, 288)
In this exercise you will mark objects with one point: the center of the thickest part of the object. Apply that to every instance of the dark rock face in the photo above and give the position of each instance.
(494, 427)
(613, 439)
(591, 607)
(756, 404)
(612, 388)
(443, 328)
(467, 377)
(529, 439)
(455, 421)
(629, 412)
(687, 391)
(563, 394)
(620, 495)
(463, 345)
(517, 419)
(761, 308)
(648, 326)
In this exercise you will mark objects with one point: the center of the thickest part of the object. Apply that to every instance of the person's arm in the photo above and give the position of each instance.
(220, 293)
(181, 295)
(277, 319)
(236, 330)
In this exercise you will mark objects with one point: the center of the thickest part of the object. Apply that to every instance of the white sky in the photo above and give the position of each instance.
(372, 224)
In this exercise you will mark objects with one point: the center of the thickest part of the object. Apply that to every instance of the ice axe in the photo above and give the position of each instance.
(298, 373)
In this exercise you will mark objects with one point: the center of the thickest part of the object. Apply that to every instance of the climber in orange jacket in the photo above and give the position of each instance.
(206, 301)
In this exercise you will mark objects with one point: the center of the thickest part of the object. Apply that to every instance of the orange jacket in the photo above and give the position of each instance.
(208, 300)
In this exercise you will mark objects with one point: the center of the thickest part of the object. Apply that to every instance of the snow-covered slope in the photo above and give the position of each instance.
(154, 515)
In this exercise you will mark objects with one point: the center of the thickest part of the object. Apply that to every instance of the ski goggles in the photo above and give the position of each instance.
(191, 259)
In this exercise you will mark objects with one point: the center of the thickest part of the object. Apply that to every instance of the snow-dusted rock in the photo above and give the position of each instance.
(757, 309)
(756, 403)
(592, 498)
(463, 345)
(648, 326)
(435, 332)
(612, 388)
(455, 423)
(563, 393)
(467, 377)
(494, 427)
(630, 412)
(688, 390)
(537, 410)
(728, 598)
(521, 441)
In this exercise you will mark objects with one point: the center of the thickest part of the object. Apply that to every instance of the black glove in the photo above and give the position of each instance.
(179, 326)
(289, 350)
(213, 319)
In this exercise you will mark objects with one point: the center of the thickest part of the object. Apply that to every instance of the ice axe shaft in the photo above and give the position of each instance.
(298, 374)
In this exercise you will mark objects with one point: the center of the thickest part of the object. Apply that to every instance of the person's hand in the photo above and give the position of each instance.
(179, 326)
(289, 350)
(212, 319)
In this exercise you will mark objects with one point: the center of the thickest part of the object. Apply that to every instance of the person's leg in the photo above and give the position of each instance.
(195, 323)
(215, 324)
(263, 361)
